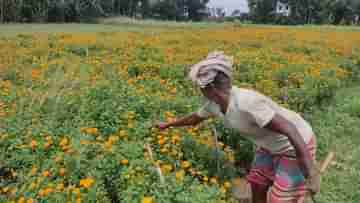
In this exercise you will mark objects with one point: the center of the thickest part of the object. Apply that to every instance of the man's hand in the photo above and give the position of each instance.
(161, 125)
(190, 120)
(313, 182)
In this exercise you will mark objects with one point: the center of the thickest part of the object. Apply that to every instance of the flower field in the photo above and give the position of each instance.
(76, 108)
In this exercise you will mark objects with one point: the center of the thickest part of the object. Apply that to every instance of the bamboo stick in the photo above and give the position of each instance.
(158, 169)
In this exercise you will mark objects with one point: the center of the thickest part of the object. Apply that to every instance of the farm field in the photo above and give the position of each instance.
(77, 104)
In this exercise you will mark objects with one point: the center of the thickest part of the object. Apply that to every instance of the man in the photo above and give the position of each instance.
(285, 159)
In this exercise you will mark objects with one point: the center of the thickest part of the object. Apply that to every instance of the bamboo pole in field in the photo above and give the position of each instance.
(158, 169)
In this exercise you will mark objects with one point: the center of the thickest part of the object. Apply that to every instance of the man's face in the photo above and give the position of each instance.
(209, 92)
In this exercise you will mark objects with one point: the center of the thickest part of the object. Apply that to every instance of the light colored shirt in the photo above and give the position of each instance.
(249, 112)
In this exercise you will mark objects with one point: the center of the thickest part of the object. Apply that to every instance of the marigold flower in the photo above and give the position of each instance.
(147, 200)
(46, 173)
(86, 182)
(62, 171)
(124, 162)
(33, 144)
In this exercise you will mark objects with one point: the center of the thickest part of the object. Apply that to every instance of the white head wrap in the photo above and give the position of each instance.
(204, 72)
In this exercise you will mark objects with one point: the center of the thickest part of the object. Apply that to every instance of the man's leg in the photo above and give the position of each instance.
(289, 183)
(261, 176)
(259, 193)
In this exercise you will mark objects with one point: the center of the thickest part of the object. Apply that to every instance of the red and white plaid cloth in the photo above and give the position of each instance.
(282, 174)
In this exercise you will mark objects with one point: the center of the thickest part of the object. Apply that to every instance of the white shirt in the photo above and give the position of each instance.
(249, 111)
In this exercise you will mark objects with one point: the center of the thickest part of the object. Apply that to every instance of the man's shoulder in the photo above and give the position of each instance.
(246, 95)
(248, 98)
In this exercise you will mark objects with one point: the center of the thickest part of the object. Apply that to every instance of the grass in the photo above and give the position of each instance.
(338, 128)
(116, 24)
(13, 29)
(123, 24)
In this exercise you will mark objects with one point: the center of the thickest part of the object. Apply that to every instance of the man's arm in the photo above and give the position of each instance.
(192, 119)
(282, 125)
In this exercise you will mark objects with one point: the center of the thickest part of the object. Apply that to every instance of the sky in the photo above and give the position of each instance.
(230, 5)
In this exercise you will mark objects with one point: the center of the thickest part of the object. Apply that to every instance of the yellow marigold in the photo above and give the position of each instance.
(33, 144)
(113, 139)
(63, 142)
(13, 191)
(122, 133)
(147, 200)
(33, 170)
(62, 171)
(162, 141)
(164, 150)
(21, 200)
(77, 191)
(48, 138)
(30, 200)
(175, 139)
(46, 173)
(213, 180)
(180, 174)
(173, 90)
(35, 73)
(5, 189)
(86, 182)
(131, 125)
(32, 186)
(47, 145)
(205, 179)
(46, 191)
(89, 130)
(85, 142)
(124, 162)
(227, 184)
(223, 190)
(167, 168)
(60, 186)
(185, 164)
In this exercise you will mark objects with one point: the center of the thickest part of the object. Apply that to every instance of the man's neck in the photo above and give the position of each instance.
(224, 101)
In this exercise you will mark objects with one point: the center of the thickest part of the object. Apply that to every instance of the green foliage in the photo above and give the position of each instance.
(337, 129)
(88, 10)
(306, 12)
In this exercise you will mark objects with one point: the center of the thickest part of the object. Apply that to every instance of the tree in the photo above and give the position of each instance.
(166, 10)
(262, 11)
(196, 8)
(308, 11)
(220, 12)
(2, 11)
(236, 12)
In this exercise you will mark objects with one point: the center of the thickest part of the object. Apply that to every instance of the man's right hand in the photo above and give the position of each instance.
(313, 181)
(162, 125)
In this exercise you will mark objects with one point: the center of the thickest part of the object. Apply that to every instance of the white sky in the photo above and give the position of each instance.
(230, 5)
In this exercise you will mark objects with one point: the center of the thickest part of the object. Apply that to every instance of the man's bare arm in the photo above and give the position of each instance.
(282, 125)
(191, 120)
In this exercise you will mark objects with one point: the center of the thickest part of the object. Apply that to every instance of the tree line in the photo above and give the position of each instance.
(307, 11)
(86, 10)
(261, 11)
